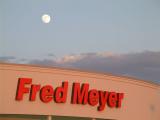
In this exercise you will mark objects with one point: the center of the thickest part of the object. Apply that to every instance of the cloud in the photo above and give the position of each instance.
(144, 65)
(45, 62)
(6, 58)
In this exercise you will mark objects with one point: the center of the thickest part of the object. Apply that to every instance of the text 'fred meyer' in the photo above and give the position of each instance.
(81, 94)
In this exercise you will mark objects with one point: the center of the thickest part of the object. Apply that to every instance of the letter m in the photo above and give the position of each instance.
(80, 96)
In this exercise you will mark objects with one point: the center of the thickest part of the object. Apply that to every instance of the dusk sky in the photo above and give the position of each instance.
(80, 29)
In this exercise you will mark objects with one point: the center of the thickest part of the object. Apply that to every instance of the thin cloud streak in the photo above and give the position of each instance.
(7, 58)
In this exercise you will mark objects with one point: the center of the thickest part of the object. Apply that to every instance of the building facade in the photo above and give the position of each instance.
(34, 92)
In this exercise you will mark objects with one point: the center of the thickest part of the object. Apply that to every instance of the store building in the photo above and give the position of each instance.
(33, 92)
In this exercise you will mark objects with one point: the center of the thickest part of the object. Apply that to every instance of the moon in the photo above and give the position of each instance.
(46, 18)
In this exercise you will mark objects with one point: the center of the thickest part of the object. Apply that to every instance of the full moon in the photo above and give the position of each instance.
(46, 18)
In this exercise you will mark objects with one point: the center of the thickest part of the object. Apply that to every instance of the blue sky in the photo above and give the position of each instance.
(78, 27)
(117, 36)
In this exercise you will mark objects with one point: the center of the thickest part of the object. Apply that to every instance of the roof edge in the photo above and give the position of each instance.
(84, 71)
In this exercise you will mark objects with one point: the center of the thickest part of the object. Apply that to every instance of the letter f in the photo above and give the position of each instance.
(21, 89)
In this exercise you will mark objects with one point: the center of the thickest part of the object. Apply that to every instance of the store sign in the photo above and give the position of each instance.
(81, 94)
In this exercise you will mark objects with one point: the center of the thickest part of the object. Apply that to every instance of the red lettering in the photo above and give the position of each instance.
(93, 97)
(21, 89)
(46, 93)
(120, 97)
(34, 90)
(61, 93)
(80, 95)
(103, 96)
(112, 99)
